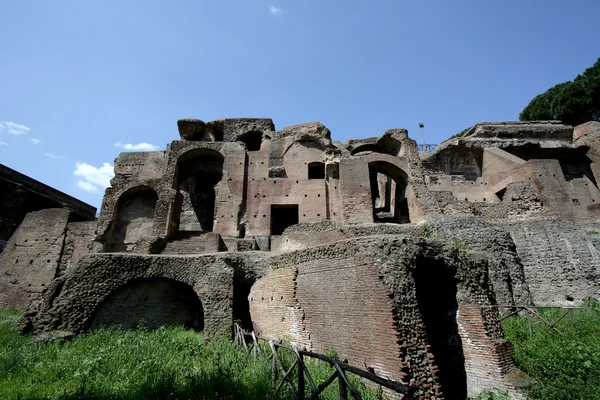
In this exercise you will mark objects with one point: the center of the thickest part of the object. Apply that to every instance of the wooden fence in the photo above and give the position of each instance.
(250, 342)
(532, 312)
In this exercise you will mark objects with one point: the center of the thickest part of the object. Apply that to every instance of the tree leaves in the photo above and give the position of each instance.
(573, 102)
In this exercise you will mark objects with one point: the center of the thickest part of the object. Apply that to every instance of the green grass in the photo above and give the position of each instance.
(563, 366)
(167, 363)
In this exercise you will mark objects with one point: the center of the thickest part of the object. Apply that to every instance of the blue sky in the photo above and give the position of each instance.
(79, 76)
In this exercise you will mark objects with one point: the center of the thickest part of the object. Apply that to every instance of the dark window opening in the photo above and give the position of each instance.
(283, 216)
(501, 194)
(241, 306)
(436, 301)
(316, 170)
(253, 140)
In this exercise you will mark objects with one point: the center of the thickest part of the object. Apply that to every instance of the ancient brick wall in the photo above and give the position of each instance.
(347, 308)
(32, 255)
(275, 310)
(487, 360)
(74, 300)
(561, 260)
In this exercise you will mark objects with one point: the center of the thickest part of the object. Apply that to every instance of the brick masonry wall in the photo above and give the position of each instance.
(32, 255)
(561, 260)
(348, 309)
(275, 309)
(487, 361)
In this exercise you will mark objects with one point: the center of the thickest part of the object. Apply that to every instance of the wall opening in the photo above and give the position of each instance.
(241, 292)
(436, 301)
(253, 140)
(316, 170)
(283, 216)
(388, 187)
(152, 302)
(133, 219)
(199, 174)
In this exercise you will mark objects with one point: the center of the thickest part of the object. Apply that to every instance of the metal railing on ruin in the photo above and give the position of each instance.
(533, 315)
(282, 376)
(426, 147)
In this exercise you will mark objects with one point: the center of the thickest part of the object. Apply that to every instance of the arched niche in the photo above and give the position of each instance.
(299, 155)
(388, 192)
(197, 180)
(133, 218)
(151, 302)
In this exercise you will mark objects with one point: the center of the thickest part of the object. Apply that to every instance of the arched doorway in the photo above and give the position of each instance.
(152, 302)
(388, 187)
(199, 174)
(133, 219)
(436, 300)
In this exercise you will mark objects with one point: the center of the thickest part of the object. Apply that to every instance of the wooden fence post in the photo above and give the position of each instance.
(343, 388)
(300, 376)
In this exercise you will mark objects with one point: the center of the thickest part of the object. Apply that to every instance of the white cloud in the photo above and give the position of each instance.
(87, 186)
(51, 155)
(138, 147)
(275, 10)
(93, 178)
(3, 144)
(35, 141)
(13, 128)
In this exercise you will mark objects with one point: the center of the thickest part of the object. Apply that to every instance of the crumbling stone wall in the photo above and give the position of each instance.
(43, 248)
(561, 260)
(359, 296)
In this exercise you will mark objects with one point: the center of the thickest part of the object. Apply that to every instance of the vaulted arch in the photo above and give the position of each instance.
(151, 302)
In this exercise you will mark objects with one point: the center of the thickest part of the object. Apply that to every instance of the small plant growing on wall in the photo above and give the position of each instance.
(493, 394)
(426, 230)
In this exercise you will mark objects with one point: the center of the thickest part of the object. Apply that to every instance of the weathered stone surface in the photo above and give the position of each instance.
(191, 129)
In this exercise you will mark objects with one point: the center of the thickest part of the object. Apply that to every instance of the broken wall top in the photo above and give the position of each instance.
(549, 130)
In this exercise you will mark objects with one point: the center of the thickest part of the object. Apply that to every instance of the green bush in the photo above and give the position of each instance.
(167, 363)
(565, 365)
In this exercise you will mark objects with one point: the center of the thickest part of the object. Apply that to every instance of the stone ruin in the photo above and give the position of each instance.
(394, 257)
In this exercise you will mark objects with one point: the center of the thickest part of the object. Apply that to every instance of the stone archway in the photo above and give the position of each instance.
(388, 192)
(151, 302)
(197, 180)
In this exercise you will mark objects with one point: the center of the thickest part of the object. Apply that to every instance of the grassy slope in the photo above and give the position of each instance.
(168, 363)
(564, 366)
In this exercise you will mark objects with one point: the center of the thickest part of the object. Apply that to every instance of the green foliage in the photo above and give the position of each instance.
(458, 244)
(459, 134)
(426, 230)
(573, 102)
(591, 233)
(167, 363)
(563, 366)
(493, 394)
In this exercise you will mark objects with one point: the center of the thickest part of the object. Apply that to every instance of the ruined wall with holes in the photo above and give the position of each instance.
(362, 298)
(127, 290)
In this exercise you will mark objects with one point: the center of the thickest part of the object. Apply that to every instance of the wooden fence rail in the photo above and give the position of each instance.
(532, 311)
(340, 370)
